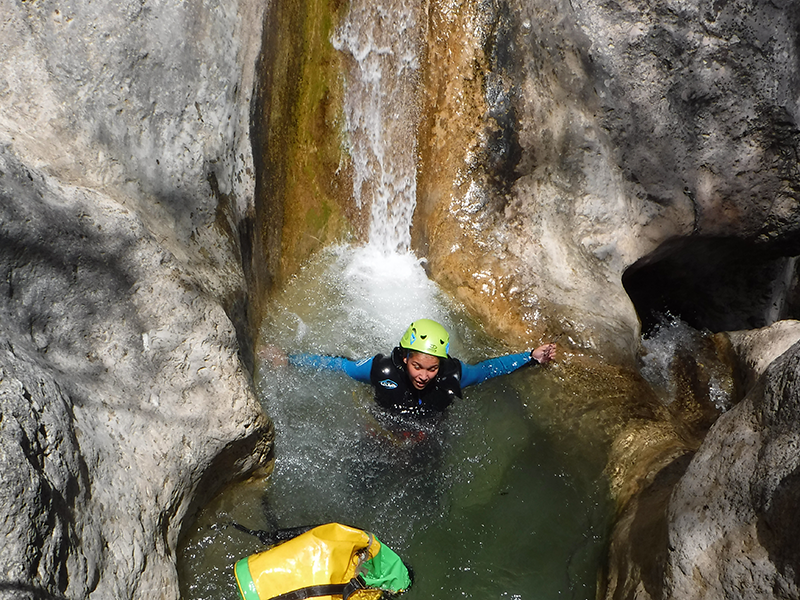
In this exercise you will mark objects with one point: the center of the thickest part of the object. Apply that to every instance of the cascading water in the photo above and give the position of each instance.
(381, 42)
(668, 346)
(478, 502)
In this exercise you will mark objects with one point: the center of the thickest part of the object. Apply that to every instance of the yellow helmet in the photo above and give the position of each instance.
(429, 337)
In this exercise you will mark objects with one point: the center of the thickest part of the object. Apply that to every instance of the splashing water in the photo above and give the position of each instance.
(333, 459)
(375, 297)
(674, 343)
(478, 502)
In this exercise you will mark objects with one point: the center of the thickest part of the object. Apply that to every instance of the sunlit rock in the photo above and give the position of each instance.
(731, 516)
(562, 142)
(756, 349)
(125, 177)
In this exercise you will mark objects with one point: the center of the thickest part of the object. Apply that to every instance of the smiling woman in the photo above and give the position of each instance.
(419, 376)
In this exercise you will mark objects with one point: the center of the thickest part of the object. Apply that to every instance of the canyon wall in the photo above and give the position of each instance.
(562, 142)
(585, 165)
(126, 184)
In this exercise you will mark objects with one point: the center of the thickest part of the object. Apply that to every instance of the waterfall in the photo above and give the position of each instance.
(380, 41)
(469, 499)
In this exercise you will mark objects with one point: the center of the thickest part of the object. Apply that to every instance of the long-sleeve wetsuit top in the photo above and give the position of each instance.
(393, 389)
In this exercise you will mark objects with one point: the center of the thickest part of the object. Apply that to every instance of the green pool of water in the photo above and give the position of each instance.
(481, 503)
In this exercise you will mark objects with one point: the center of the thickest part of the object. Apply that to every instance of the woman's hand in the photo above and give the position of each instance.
(544, 354)
(273, 355)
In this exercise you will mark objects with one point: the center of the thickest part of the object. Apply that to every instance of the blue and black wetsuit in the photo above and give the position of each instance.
(393, 389)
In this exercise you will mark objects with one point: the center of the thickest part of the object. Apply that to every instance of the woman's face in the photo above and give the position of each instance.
(421, 368)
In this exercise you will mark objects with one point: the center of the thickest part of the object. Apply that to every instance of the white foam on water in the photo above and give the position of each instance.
(355, 302)
(671, 339)
(660, 349)
(391, 290)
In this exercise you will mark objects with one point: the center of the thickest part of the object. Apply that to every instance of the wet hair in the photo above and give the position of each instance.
(407, 354)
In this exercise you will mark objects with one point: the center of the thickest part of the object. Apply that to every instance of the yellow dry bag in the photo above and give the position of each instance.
(327, 562)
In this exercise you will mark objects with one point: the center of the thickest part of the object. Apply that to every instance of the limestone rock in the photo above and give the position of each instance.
(125, 177)
(757, 349)
(565, 141)
(123, 395)
(732, 514)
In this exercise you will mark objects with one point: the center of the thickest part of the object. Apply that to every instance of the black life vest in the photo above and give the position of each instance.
(395, 392)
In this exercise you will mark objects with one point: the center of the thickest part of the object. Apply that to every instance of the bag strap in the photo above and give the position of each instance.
(345, 590)
(355, 584)
(312, 591)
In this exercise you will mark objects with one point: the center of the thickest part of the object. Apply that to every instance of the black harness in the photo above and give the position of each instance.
(394, 391)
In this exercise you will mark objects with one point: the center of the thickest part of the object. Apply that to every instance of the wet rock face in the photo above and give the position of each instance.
(633, 123)
(124, 181)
